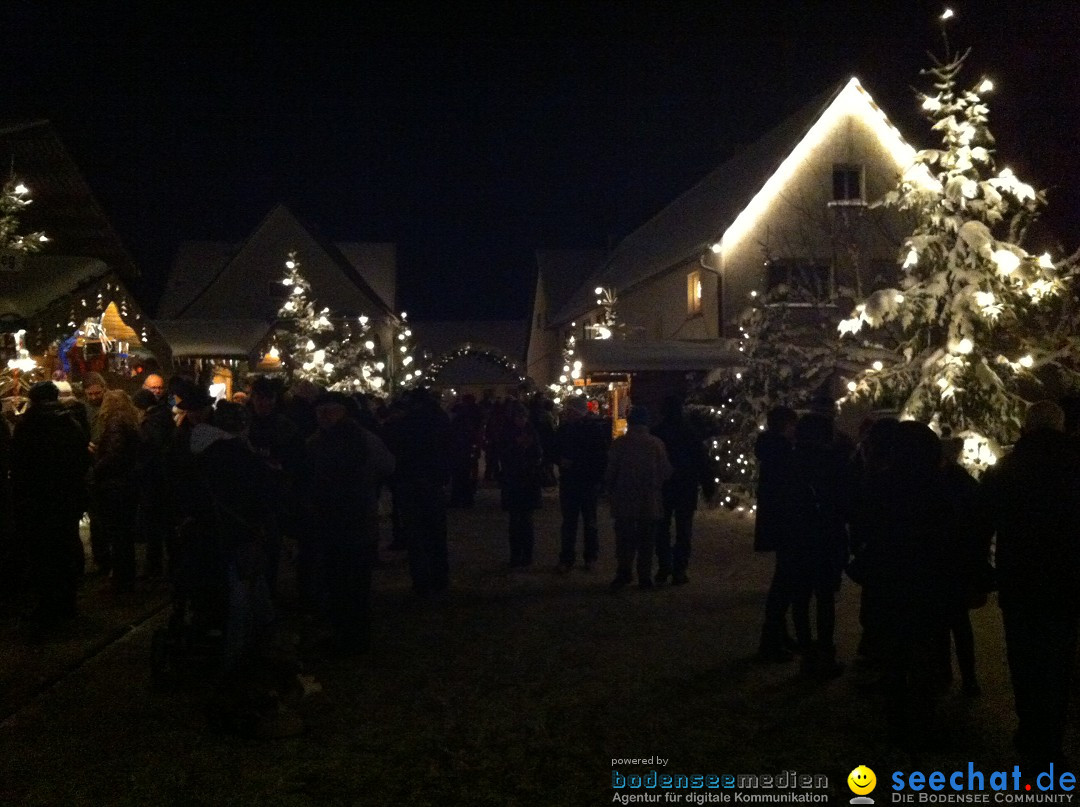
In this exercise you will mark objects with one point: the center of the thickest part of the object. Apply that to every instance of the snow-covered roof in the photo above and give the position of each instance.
(63, 206)
(628, 356)
(699, 217)
(562, 271)
(377, 264)
(213, 338)
(216, 281)
(43, 280)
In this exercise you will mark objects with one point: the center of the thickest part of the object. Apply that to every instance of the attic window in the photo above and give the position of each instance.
(803, 282)
(693, 293)
(847, 183)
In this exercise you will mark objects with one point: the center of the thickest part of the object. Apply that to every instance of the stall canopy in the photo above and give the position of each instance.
(217, 338)
(628, 356)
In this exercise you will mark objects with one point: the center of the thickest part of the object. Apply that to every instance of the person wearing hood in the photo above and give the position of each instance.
(345, 464)
(636, 471)
(49, 460)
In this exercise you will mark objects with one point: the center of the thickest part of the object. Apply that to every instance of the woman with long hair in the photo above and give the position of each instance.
(115, 483)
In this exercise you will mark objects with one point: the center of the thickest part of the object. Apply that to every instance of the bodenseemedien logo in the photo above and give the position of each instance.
(862, 782)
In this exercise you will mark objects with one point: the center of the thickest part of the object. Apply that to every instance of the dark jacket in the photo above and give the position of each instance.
(774, 522)
(687, 454)
(519, 468)
(1033, 500)
(344, 466)
(49, 460)
(818, 501)
(116, 459)
(422, 444)
(581, 451)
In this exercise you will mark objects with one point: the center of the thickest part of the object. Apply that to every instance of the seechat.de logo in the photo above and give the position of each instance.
(862, 781)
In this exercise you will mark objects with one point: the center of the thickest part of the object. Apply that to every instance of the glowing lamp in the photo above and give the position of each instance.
(947, 14)
(878, 366)
(1027, 361)
(598, 290)
(986, 86)
(852, 386)
(290, 265)
(716, 248)
(21, 190)
(964, 346)
(369, 345)
(1045, 261)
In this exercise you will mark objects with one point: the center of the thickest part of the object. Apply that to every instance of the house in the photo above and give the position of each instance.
(559, 273)
(221, 300)
(72, 298)
(790, 209)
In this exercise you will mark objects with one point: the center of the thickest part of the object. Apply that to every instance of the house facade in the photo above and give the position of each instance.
(791, 209)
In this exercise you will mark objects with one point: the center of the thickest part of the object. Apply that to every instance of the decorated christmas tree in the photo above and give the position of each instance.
(360, 365)
(407, 370)
(14, 199)
(978, 325)
(307, 338)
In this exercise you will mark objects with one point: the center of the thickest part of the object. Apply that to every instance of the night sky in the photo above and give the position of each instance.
(472, 138)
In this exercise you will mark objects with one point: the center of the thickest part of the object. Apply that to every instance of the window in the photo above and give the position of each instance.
(693, 293)
(805, 283)
(847, 183)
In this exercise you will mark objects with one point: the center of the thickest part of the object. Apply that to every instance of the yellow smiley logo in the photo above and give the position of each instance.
(861, 780)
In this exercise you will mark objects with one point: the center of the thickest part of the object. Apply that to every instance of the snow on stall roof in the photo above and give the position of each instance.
(615, 355)
(213, 338)
(44, 279)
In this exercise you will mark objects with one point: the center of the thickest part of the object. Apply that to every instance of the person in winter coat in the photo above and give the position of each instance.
(816, 551)
(581, 451)
(49, 459)
(686, 451)
(519, 479)
(346, 463)
(637, 468)
(906, 519)
(115, 485)
(773, 525)
(1033, 500)
(420, 441)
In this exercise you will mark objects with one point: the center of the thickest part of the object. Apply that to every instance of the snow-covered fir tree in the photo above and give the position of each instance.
(338, 354)
(979, 325)
(14, 199)
(307, 337)
(787, 338)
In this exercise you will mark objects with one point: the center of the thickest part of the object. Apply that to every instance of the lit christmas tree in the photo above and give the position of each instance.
(307, 339)
(14, 199)
(407, 370)
(564, 388)
(978, 326)
(791, 353)
(360, 368)
(20, 371)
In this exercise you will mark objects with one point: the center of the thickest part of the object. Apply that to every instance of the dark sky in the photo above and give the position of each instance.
(471, 138)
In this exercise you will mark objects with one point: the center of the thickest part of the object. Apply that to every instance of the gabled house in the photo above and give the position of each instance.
(221, 300)
(559, 273)
(790, 209)
(71, 298)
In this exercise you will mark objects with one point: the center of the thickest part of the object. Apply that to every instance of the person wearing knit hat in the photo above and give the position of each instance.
(637, 468)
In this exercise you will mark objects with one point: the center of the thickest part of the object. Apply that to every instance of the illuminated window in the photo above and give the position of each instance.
(847, 183)
(693, 293)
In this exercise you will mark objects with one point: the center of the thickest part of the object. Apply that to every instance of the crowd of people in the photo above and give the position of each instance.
(215, 490)
(902, 518)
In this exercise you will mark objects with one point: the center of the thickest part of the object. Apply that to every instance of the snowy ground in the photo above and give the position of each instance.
(520, 688)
